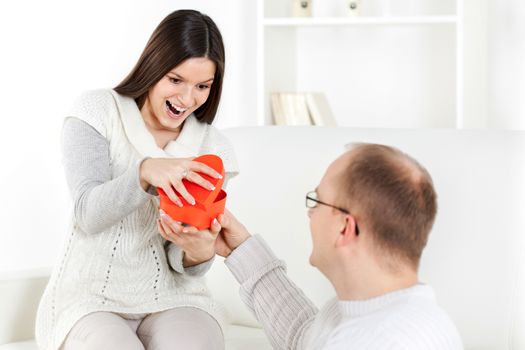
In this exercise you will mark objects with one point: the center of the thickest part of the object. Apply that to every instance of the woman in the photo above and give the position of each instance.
(120, 284)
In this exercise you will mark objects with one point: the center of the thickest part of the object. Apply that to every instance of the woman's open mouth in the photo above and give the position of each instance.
(174, 111)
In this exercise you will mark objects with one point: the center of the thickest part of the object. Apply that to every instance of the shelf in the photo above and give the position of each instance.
(412, 63)
(334, 21)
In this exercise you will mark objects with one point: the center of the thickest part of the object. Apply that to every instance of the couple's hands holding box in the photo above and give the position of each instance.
(193, 226)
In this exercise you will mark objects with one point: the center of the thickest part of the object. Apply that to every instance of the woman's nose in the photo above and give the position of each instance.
(186, 97)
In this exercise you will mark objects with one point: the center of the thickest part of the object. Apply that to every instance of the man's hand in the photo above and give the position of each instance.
(232, 233)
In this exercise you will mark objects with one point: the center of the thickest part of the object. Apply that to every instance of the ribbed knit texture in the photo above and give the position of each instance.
(408, 319)
(114, 259)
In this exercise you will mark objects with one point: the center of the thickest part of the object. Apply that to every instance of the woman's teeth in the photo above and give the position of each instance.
(174, 109)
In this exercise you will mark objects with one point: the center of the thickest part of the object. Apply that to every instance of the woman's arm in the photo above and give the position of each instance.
(99, 200)
(175, 257)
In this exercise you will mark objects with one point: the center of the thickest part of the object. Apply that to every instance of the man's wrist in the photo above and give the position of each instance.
(252, 258)
(241, 241)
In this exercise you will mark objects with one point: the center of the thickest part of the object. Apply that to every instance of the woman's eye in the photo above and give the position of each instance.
(175, 80)
(203, 87)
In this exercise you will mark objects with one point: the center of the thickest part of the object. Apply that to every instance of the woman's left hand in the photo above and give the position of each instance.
(198, 246)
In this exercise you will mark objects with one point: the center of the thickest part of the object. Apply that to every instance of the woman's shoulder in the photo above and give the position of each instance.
(94, 107)
(95, 99)
(216, 139)
(217, 143)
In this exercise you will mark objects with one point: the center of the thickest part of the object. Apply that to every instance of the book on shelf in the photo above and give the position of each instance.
(319, 109)
(290, 108)
(277, 109)
(310, 108)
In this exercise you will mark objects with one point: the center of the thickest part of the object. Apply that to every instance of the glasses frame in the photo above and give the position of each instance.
(317, 201)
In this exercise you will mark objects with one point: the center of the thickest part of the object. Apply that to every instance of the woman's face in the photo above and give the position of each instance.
(178, 94)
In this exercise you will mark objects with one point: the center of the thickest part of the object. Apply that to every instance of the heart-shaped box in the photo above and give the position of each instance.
(208, 204)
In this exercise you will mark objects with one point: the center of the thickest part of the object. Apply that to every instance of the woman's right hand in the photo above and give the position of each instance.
(168, 173)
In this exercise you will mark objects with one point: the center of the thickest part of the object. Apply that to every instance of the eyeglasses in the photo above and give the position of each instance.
(312, 202)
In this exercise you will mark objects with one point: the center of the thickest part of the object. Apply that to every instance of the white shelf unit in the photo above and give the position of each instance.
(386, 20)
(376, 70)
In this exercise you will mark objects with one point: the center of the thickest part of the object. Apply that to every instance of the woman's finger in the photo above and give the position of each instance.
(173, 227)
(167, 229)
(172, 235)
(171, 195)
(203, 168)
(190, 230)
(199, 180)
(178, 185)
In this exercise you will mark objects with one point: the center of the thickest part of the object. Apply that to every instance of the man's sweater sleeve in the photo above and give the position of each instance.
(284, 311)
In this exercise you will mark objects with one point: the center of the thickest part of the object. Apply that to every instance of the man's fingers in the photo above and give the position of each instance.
(223, 221)
(215, 227)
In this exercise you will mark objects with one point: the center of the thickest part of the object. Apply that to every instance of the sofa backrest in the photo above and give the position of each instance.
(20, 293)
(475, 257)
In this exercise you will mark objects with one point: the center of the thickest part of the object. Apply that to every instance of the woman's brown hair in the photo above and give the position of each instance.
(183, 34)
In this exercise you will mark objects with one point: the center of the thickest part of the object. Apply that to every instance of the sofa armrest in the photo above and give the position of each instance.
(20, 293)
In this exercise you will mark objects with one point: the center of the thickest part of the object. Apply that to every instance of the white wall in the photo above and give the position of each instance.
(53, 50)
(506, 42)
(475, 64)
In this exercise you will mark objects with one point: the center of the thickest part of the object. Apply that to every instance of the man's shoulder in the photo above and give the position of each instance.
(415, 322)
(407, 335)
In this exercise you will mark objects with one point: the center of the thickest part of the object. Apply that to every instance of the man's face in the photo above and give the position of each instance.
(326, 222)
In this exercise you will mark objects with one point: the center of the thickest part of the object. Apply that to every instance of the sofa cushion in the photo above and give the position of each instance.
(23, 345)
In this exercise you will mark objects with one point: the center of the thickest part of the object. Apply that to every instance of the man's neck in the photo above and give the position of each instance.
(372, 283)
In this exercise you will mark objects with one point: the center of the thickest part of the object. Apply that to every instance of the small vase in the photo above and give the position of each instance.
(353, 8)
(302, 8)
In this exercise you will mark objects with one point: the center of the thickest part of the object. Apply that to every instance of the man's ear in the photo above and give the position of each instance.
(347, 233)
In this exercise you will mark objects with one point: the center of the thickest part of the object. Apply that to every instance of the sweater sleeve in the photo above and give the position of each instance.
(175, 258)
(99, 201)
(284, 311)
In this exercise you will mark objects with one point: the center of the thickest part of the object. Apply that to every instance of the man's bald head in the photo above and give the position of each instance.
(392, 197)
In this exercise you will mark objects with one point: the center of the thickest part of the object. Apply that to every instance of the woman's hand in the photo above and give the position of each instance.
(198, 246)
(167, 173)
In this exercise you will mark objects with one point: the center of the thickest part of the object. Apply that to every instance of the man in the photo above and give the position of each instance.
(370, 218)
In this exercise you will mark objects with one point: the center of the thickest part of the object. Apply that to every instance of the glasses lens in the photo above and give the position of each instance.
(310, 199)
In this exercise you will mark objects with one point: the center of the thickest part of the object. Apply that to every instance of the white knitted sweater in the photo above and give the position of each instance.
(124, 265)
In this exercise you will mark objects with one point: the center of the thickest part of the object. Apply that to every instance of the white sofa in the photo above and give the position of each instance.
(475, 257)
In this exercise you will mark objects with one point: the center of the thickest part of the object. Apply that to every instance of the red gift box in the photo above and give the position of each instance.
(208, 204)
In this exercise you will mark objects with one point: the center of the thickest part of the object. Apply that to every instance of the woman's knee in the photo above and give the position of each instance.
(186, 328)
(102, 331)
